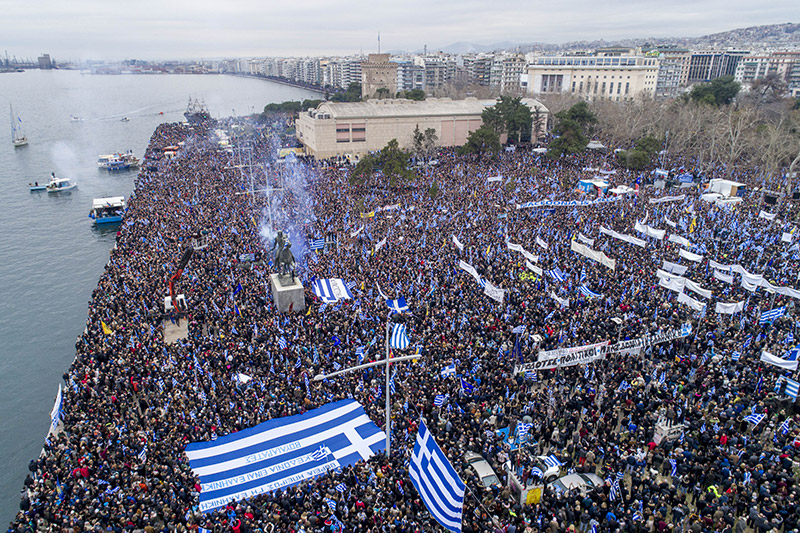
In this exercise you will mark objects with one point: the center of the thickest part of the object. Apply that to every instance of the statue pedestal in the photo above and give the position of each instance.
(287, 296)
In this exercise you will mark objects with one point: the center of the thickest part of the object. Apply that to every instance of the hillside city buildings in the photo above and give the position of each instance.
(615, 73)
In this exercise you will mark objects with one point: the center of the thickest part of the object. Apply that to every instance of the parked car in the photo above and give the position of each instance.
(583, 482)
(482, 468)
(550, 473)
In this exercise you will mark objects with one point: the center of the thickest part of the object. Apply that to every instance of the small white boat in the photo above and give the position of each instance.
(73, 118)
(18, 137)
(107, 210)
(61, 185)
(124, 119)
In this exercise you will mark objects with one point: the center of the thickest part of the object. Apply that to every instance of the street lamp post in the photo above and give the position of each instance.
(386, 361)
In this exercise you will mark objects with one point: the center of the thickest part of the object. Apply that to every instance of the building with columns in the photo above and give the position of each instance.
(614, 74)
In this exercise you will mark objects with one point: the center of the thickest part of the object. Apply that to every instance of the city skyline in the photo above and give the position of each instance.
(192, 30)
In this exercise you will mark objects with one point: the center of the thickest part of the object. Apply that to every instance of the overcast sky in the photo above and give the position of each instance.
(150, 29)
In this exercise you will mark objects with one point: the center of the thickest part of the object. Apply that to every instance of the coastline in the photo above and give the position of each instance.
(281, 81)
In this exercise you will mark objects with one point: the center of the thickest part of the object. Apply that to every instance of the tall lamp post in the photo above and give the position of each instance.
(386, 361)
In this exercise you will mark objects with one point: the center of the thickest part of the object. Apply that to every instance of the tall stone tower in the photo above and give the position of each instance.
(378, 73)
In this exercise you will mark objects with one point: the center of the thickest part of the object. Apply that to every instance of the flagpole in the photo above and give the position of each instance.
(388, 391)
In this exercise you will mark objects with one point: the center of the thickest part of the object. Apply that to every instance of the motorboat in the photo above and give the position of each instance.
(107, 210)
(73, 118)
(35, 187)
(118, 161)
(61, 185)
(124, 119)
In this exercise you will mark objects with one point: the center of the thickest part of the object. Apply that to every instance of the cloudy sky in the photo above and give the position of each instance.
(151, 29)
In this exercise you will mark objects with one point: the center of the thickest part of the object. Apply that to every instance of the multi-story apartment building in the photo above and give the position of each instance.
(409, 75)
(673, 70)
(613, 74)
(784, 65)
(707, 66)
(513, 70)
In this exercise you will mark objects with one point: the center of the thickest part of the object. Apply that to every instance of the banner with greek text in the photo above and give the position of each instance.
(566, 203)
(283, 452)
(623, 237)
(667, 199)
(594, 255)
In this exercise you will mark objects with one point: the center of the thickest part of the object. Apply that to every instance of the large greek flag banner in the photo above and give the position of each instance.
(436, 481)
(283, 452)
(332, 290)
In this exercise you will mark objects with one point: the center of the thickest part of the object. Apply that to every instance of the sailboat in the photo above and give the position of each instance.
(18, 138)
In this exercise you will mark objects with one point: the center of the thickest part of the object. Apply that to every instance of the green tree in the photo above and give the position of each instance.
(352, 94)
(510, 116)
(392, 162)
(481, 141)
(413, 94)
(494, 120)
(381, 93)
(720, 91)
(433, 190)
(649, 144)
(573, 128)
(634, 158)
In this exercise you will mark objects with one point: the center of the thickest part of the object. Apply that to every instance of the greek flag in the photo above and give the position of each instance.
(792, 386)
(439, 400)
(399, 339)
(449, 370)
(552, 461)
(398, 306)
(586, 291)
(142, 455)
(557, 275)
(755, 419)
(772, 314)
(537, 472)
(436, 481)
(663, 378)
(519, 329)
(58, 407)
(282, 452)
(331, 290)
(735, 356)
(316, 244)
(282, 343)
(747, 341)
(747, 476)
(523, 429)
(624, 385)
(360, 353)
(341, 487)
(674, 464)
(785, 427)
(331, 504)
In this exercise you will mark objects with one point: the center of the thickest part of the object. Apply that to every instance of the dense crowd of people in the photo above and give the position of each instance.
(132, 402)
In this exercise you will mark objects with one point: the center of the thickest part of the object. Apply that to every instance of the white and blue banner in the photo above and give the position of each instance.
(331, 290)
(58, 406)
(566, 203)
(623, 237)
(667, 199)
(283, 452)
